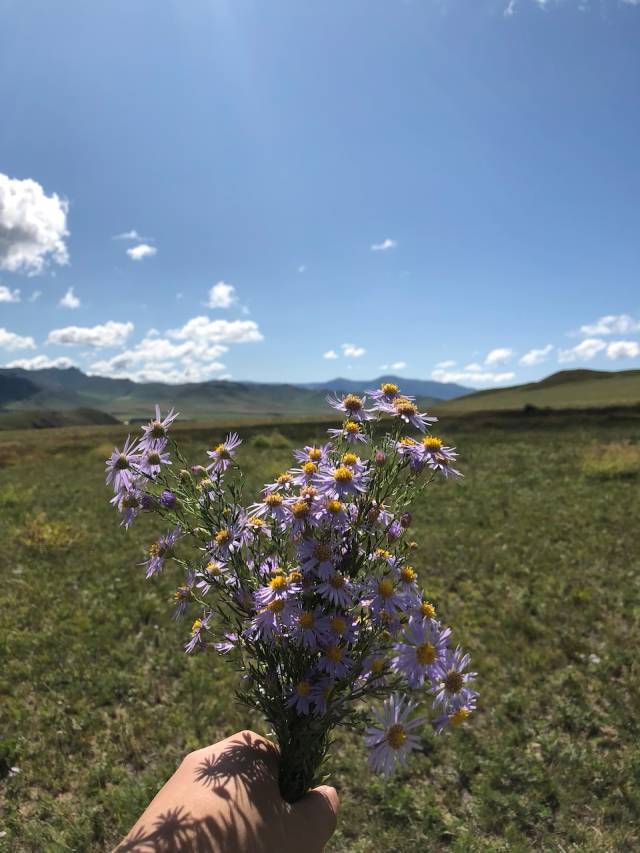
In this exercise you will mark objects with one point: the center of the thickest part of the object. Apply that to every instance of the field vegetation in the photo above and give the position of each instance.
(533, 559)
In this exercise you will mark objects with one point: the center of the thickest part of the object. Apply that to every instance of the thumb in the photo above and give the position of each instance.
(317, 814)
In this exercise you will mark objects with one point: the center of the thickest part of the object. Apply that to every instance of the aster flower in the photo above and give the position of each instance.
(300, 515)
(316, 556)
(456, 713)
(168, 499)
(304, 475)
(334, 513)
(182, 595)
(121, 466)
(335, 660)
(309, 627)
(311, 453)
(129, 502)
(213, 573)
(159, 551)
(223, 454)
(301, 697)
(270, 621)
(350, 432)
(272, 506)
(450, 681)
(283, 483)
(198, 630)
(438, 457)
(280, 586)
(341, 481)
(384, 596)
(351, 405)
(385, 395)
(407, 411)
(155, 432)
(227, 540)
(341, 626)
(407, 578)
(338, 590)
(322, 692)
(425, 645)
(229, 643)
(375, 665)
(392, 739)
(153, 458)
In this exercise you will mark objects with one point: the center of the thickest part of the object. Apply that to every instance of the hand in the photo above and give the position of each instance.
(225, 798)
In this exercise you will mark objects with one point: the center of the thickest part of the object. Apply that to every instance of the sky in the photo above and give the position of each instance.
(294, 190)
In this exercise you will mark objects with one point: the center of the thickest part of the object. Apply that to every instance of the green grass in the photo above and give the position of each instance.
(532, 559)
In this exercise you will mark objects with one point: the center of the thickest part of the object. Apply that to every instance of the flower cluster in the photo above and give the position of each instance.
(311, 589)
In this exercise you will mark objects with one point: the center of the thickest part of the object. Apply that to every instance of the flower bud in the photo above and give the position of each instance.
(380, 458)
(405, 519)
(169, 500)
(185, 476)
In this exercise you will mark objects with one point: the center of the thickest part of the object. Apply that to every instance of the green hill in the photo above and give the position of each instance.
(44, 418)
(564, 390)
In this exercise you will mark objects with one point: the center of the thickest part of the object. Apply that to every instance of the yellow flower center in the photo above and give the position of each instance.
(315, 454)
(408, 574)
(157, 430)
(222, 451)
(158, 549)
(303, 688)
(389, 388)
(404, 406)
(334, 506)
(273, 500)
(307, 619)
(459, 716)
(396, 736)
(214, 569)
(385, 588)
(122, 463)
(181, 593)
(342, 475)
(339, 625)
(153, 457)
(276, 606)
(337, 581)
(295, 576)
(334, 653)
(255, 521)
(349, 458)
(425, 654)
(428, 610)
(300, 509)
(431, 442)
(408, 442)
(196, 627)
(223, 536)
(454, 681)
(352, 402)
(309, 468)
(378, 665)
(283, 479)
(278, 583)
(381, 554)
(351, 427)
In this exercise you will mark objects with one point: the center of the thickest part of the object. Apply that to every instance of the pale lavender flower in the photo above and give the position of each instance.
(300, 514)
(283, 483)
(341, 481)
(338, 590)
(450, 681)
(159, 551)
(425, 645)
(350, 432)
(129, 502)
(394, 531)
(155, 432)
(271, 506)
(332, 512)
(182, 595)
(304, 475)
(301, 697)
(385, 395)
(270, 621)
(228, 643)
(215, 572)
(153, 458)
(314, 454)
(168, 499)
(341, 627)
(316, 556)
(456, 713)
(439, 457)
(384, 596)
(197, 639)
(407, 411)
(229, 539)
(335, 660)
(223, 454)
(351, 405)
(322, 694)
(121, 465)
(392, 739)
(278, 587)
(310, 627)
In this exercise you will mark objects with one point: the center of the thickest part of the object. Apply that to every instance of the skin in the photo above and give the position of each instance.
(225, 797)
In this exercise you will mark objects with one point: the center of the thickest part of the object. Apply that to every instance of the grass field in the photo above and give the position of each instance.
(534, 559)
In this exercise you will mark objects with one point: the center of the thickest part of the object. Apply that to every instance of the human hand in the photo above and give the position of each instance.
(225, 798)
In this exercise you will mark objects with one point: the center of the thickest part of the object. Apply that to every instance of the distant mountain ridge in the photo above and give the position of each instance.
(428, 388)
(63, 389)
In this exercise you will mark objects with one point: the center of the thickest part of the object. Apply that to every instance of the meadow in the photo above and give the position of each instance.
(534, 559)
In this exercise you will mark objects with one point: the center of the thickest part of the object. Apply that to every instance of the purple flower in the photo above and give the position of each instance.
(223, 454)
(338, 590)
(335, 660)
(301, 697)
(280, 586)
(159, 551)
(341, 627)
(271, 506)
(304, 475)
(322, 694)
(311, 453)
(129, 503)
(270, 621)
(438, 457)
(182, 595)
(228, 643)
(405, 409)
(153, 458)
(300, 514)
(155, 432)
(341, 481)
(350, 432)
(425, 645)
(214, 572)
(310, 627)
(316, 556)
(228, 539)
(450, 681)
(284, 482)
(456, 713)
(351, 405)
(391, 740)
(197, 630)
(168, 499)
(120, 471)
(385, 597)
(385, 396)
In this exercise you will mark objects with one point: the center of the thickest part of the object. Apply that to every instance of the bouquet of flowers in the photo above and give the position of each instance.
(310, 591)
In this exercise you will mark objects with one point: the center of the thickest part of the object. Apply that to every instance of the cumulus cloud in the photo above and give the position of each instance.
(500, 355)
(40, 362)
(8, 295)
(472, 377)
(584, 351)
(395, 365)
(221, 295)
(623, 349)
(9, 340)
(69, 300)
(352, 351)
(130, 235)
(384, 246)
(110, 334)
(612, 324)
(33, 226)
(218, 331)
(144, 250)
(536, 356)
(330, 354)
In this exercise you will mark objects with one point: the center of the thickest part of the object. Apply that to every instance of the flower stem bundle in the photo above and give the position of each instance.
(310, 591)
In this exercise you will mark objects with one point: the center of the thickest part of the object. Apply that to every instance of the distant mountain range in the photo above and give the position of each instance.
(63, 390)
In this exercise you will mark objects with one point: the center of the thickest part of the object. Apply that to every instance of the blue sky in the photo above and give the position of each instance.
(448, 187)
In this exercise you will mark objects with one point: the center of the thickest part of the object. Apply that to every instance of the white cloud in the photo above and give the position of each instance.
(35, 296)
(352, 351)
(137, 253)
(584, 351)
(500, 355)
(9, 340)
(8, 295)
(218, 331)
(221, 295)
(69, 300)
(330, 354)
(510, 9)
(474, 367)
(632, 2)
(445, 365)
(302, 268)
(472, 377)
(40, 362)
(395, 365)
(130, 235)
(384, 246)
(623, 349)
(33, 226)
(536, 356)
(110, 334)
(612, 324)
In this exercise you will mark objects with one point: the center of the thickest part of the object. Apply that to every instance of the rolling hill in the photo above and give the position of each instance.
(423, 388)
(564, 390)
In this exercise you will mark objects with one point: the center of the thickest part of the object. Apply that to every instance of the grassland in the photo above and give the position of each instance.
(534, 559)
